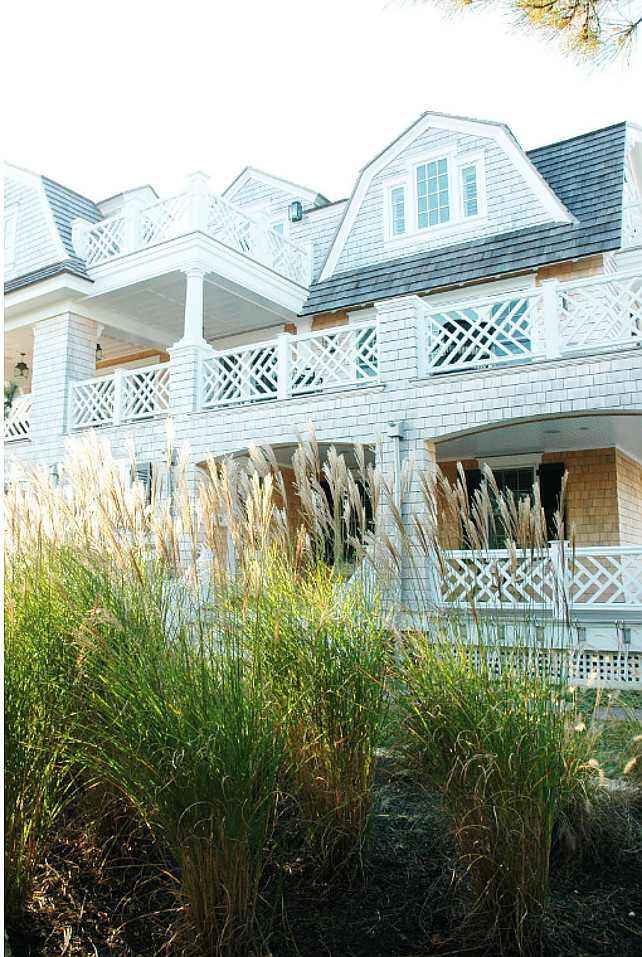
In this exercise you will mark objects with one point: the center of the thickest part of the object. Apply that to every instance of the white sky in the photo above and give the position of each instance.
(104, 97)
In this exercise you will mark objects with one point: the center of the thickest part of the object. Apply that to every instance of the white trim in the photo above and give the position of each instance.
(499, 134)
(520, 460)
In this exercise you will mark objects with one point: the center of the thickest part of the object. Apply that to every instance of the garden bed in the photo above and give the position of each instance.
(114, 896)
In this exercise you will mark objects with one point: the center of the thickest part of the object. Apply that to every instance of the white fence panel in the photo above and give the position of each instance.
(16, 422)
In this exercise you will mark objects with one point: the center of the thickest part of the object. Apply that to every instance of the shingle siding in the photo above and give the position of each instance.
(35, 243)
(586, 173)
(511, 204)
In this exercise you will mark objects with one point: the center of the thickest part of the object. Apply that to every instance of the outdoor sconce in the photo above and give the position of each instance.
(295, 212)
(21, 370)
(99, 352)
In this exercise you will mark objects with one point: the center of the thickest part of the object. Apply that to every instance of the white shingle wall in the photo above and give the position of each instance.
(258, 195)
(318, 228)
(511, 204)
(35, 243)
(64, 351)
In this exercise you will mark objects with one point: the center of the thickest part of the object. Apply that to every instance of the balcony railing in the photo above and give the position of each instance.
(550, 321)
(122, 397)
(139, 227)
(583, 578)
(16, 422)
(291, 366)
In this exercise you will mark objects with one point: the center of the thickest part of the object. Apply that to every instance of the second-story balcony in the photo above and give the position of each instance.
(551, 321)
(286, 367)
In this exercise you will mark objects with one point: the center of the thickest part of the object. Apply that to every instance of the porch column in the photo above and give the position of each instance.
(64, 351)
(193, 323)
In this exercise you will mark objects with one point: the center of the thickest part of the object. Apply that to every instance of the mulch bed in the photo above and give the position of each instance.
(113, 896)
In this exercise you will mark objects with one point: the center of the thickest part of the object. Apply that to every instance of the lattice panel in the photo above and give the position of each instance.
(16, 422)
(163, 220)
(606, 668)
(495, 578)
(92, 403)
(105, 240)
(288, 259)
(145, 392)
(334, 359)
(242, 375)
(606, 577)
(482, 334)
(231, 227)
(602, 313)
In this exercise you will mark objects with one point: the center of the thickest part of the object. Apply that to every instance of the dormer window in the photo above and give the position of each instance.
(438, 194)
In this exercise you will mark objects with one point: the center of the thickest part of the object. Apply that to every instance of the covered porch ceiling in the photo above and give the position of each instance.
(547, 434)
(157, 306)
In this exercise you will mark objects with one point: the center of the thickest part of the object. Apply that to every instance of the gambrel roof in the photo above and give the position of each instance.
(585, 172)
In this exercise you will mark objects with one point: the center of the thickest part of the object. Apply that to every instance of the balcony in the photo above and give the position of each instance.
(552, 321)
(140, 227)
(283, 368)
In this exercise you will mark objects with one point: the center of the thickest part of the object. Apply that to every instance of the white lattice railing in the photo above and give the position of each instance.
(586, 577)
(291, 366)
(631, 225)
(141, 226)
(16, 421)
(601, 312)
(122, 397)
(553, 320)
(486, 332)
(240, 375)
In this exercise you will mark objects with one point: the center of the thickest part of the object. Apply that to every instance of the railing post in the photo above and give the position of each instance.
(283, 341)
(198, 207)
(131, 238)
(119, 385)
(551, 303)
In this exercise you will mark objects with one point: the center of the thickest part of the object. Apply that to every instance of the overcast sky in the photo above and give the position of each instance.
(106, 97)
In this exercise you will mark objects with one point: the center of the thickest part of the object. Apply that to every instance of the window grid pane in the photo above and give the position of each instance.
(433, 202)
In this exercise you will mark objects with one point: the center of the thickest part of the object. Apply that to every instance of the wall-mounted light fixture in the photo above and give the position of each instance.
(21, 370)
(99, 352)
(295, 211)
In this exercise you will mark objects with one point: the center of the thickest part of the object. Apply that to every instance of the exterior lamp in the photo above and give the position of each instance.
(295, 212)
(21, 370)
(99, 352)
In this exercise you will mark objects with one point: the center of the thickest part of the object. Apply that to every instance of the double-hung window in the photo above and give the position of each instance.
(433, 193)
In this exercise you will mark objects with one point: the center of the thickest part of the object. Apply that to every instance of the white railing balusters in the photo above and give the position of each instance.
(126, 396)
(552, 321)
(291, 366)
(16, 421)
(554, 579)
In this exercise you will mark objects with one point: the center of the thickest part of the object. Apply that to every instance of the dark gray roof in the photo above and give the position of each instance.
(587, 174)
(46, 272)
(66, 205)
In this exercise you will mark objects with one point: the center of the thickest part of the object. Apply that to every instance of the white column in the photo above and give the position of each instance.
(193, 328)
(401, 342)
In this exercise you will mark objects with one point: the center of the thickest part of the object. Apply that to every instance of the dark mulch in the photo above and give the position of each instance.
(114, 897)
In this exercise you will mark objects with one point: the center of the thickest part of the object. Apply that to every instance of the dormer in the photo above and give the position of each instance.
(446, 180)
(272, 198)
(141, 195)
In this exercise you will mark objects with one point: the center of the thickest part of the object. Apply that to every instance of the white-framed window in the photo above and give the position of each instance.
(438, 193)
(433, 193)
(10, 223)
(469, 197)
